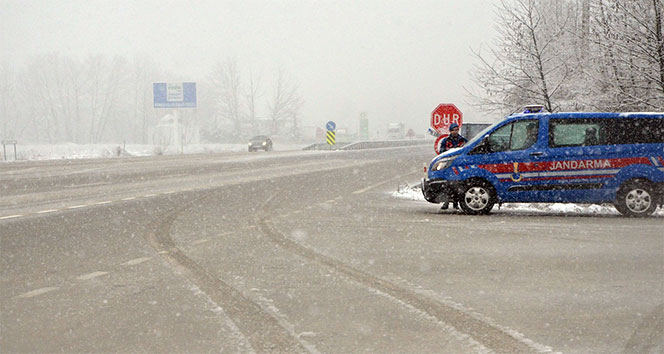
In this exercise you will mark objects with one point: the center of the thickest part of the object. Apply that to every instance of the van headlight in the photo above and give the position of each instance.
(443, 164)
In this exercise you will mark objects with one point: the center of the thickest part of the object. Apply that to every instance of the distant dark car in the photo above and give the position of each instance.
(260, 142)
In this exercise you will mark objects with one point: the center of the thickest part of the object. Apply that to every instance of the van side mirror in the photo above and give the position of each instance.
(483, 147)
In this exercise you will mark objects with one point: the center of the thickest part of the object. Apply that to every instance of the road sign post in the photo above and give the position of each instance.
(175, 95)
(364, 126)
(4, 148)
(330, 137)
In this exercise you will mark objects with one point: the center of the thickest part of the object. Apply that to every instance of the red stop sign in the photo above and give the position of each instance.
(437, 143)
(444, 115)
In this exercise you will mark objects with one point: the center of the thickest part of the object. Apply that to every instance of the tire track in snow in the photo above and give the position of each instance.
(262, 331)
(480, 334)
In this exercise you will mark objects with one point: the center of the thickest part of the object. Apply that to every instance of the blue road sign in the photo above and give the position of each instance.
(331, 125)
(174, 95)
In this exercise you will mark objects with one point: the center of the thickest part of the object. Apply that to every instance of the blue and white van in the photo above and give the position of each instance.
(556, 157)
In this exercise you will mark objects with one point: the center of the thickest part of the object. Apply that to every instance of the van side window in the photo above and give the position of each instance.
(499, 140)
(519, 135)
(577, 132)
(524, 134)
(606, 131)
(636, 131)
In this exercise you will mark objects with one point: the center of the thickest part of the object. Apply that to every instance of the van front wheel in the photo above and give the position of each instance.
(636, 198)
(477, 197)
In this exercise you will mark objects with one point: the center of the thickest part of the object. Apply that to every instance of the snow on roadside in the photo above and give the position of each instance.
(414, 192)
(31, 152)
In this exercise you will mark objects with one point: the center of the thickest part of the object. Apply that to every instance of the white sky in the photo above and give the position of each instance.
(395, 60)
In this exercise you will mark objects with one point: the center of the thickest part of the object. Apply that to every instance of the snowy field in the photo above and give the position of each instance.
(91, 151)
(414, 192)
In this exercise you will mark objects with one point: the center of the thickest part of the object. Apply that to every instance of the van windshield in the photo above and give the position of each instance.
(480, 135)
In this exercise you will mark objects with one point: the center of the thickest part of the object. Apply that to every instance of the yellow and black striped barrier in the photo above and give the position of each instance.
(331, 137)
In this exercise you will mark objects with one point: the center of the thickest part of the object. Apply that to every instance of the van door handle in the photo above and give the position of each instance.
(537, 153)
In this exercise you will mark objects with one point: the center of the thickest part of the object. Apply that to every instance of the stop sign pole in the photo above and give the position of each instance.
(442, 117)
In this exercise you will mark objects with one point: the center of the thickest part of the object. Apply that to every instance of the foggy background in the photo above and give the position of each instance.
(82, 72)
(395, 60)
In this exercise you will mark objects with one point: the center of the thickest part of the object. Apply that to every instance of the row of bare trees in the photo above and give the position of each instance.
(237, 102)
(60, 99)
(56, 98)
(574, 55)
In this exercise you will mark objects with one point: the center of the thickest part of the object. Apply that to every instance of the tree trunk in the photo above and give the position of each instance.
(658, 33)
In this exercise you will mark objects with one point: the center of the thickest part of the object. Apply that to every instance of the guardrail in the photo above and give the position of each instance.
(321, 146)
(369, 144)
(361, 145)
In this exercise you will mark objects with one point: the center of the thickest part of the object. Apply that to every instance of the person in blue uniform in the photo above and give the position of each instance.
(454, 140)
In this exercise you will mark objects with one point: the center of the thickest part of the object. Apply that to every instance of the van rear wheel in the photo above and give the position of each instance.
(636, 199)
(477, 197)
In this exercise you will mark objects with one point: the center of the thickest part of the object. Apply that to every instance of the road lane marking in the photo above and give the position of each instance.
(89, 185)
(83, 171)
(91, 275)
(130, 198)
(47, 211)
(198, 242)
(34, 293)
(329, 201)
(149, 195)
(360, 191)
(171, 192)
(10, 216)
(136, 261)
(77, 206)
(104, 202)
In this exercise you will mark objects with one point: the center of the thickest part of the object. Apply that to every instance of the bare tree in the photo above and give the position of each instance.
(629, 61)
(105, 79)
(284, 103)
(9, 110)
(139, 93)
(74, 101)
(575, 54)
(251, 96)
(227, 91)
(46, 88)
(526, 65)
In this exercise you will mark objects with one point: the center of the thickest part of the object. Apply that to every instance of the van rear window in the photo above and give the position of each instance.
(613, 131)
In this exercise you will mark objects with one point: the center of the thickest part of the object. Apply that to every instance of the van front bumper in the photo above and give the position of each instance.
(439, 190)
